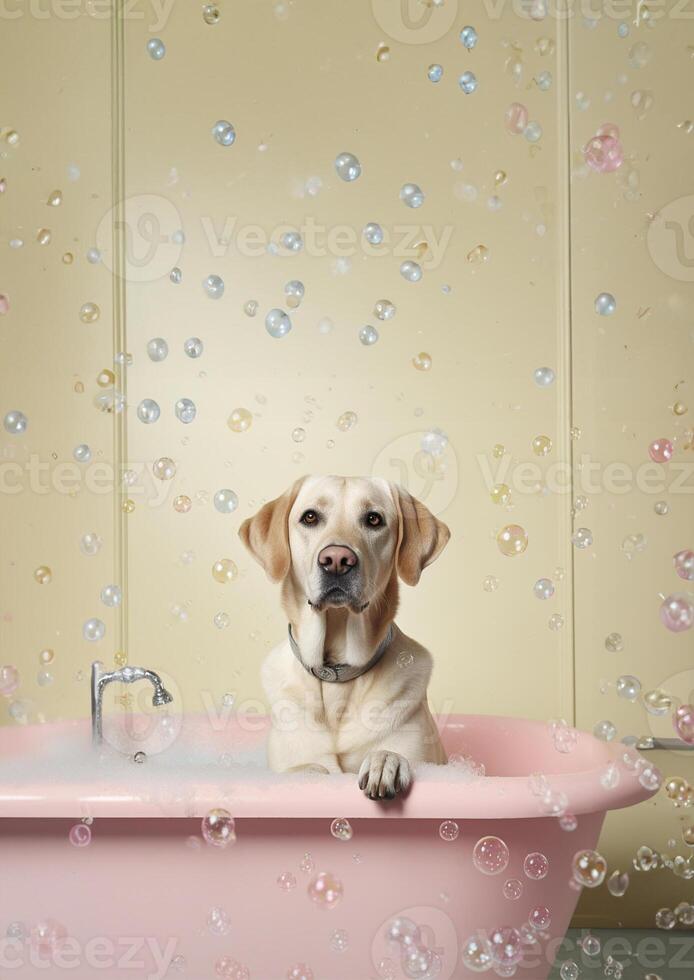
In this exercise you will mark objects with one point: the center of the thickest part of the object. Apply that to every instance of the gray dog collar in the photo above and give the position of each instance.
(340, 673)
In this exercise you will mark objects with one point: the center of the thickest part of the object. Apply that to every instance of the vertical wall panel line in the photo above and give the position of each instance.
(565, 441)
(120, 449)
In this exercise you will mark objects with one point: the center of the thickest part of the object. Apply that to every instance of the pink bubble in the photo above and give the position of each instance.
(661, 450)
(490, 855)
(603, 154)
(80, 835)
(516, 118)
(47, 936)
(536, 866)
(506, 946)
(218, 828)
(684, 723)
(325, 890)
(677, 612)
(300, 972)
(231, 969)
(684, 564)
(4, 304)
(9, 680)
(540, 918)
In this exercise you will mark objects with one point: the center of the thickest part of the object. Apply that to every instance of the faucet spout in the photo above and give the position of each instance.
(126, 675)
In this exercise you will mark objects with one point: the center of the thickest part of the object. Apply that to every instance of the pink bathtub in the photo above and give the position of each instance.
(138, 901)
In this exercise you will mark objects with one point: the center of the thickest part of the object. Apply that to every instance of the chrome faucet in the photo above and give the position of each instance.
(126, 675)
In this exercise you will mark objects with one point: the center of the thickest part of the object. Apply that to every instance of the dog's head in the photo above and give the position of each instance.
(340, 540)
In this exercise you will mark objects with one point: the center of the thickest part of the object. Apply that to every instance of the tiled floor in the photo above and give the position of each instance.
(642, 952)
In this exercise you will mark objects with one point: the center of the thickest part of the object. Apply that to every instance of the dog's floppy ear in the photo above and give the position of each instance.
(421, 536)
(266, 534)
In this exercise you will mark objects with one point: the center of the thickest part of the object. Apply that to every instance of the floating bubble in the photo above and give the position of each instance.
(533, 132)
(111, 596)
(422, 361)
(292, 241)
(94, 630)
(373, 233)
(434, 442)
(80, 835)
(368, 335)
(516, 118)
(582, 538)
(614, 642)
(542, 445)
(569, 970)
(224, 133)
(218, 922)
(490, 583)
(325, 891)
(300, 972)
(240, 420)
(589, 868)
(468, 37)
(490, 855)
(156, 48)
(412, 195)
(605, 730)
(435, 73)
(683, 722)
(384, 309)
(286, 881)
(211, 14)
(411, 271)
(224, 571)
(468, 82)
(213, 286)
(449, 830)
(225, 501)
(298, 434)
(347, 167)
(543, 377)
(661, 508)
(339, 941)
(182, 504)
(677, 612)
(628, 687)
(277, 323)
(218, 828)
(543, 588)
(605, 304)
(512, 540)
(347, 421)
(661, 450)
(341, 829)
(657, 702)
(148, 411)
(617, 884)
(506, 946)
(477, 954)
(193, 347)
(164, 468)
(15, 422)
(185, 410)
(513, 889)
(157, 349)
(294, 290)
(536, 866)
(9, 680)
(500, 494)
(478, 255)
(90, 543)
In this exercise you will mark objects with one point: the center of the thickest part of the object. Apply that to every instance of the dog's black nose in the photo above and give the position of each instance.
(337, 559)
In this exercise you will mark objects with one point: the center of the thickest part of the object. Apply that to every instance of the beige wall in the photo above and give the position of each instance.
(300, 84)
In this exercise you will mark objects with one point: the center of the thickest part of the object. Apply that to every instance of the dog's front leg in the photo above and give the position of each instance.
(384, 774)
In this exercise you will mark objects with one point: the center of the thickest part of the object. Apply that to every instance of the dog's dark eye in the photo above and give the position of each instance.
(373, 519)
(309, 518)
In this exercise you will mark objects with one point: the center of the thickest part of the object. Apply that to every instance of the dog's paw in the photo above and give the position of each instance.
(384, 774)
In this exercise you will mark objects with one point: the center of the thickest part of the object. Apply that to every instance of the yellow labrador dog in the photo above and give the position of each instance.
(348, 689)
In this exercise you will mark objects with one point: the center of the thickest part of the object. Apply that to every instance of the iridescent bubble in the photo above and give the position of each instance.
(325, 891)
(411, 271)
(513, 889)
(300, 972)
(373, 233)
(422, 361)
(605, 304)
(477, 954)
(294, 290)
(434, 442)
(506, 946)
(500, 494)
(292, 241)
(412, 195)
(223, 132)
(468, 37)
(661, 450)
(536, 866)
(298, 434)
(533, 132)
(661, 508)
(157, 349)
(182, 504)
(9, 680)
(221, 620)
(213, 286)
(544, 377)
(589, 868)
(94, 630)
(403, 931)
(490, 855)
(605, 730)
(449, 830)
(347, 167)
(218, 922)
(568, 822)
(542, 445)
(111, 596)
(555, 622)
(628, 687)
(543, 588)
(341, 829)
(286, 881)
(683, 722)
(617, 884)
(211, 14)
(368, 335)
(347, 421)
(185, 410)
(82, 453)
(665, 919)
(657, 702)
(218, 828)
(90, 543)
(148, 411)
(419, 962)
(614, 642)
(677, 612)
(240, 420)
(15, 422)
(512, 540)
(540, 918)
(582, 537)
(490, 583)
(339, 941)
(225, 501)
(164, 468)
(591, 945)
(80, 835)
(569, 970)
(516, 118)
(468, 82)
(224, 571)
(435, 73)
(156, 48)
(193, 347)
(384, 309)
(277, 323)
